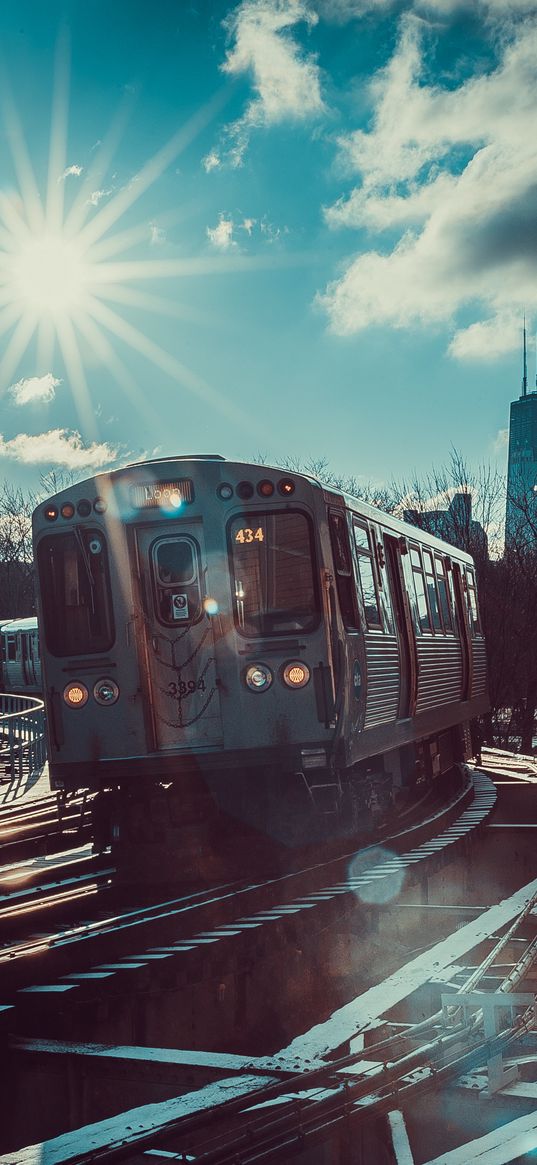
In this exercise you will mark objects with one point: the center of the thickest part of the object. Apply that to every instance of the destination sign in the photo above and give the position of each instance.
(165, 495)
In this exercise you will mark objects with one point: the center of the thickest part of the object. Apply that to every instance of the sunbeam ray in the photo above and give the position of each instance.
(162, 359)
(46, 341)
(79, 211)
(77, 377)
(107, 353)
(132, 297)
(152, 170)
(21, 161)
(16, 347)
(58, 136)
(129, 269)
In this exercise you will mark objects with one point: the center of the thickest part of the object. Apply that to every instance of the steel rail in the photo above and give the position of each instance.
(387, 1078)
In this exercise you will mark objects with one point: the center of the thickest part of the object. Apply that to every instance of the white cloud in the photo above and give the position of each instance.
(454, 171)
(97, 195)
(286, 81)
(57, 447)
(157, 236)
(211, 161)
(271, 232)
(247, 225)
(71, 171)
(380, 211)
(34, 388)
(487, 339)
(221, 236)
(341, 11)
(501, 440)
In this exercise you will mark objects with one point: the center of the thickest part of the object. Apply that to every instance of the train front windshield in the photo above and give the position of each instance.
(75, 589)
(273, 573)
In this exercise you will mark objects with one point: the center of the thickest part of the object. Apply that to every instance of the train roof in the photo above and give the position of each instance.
(372, 513)
(399, 526)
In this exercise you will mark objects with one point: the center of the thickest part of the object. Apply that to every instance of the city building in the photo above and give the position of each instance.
(521, 503)
(454, 524)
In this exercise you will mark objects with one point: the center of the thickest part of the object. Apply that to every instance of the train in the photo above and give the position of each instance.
(216, 625)
(20, 661)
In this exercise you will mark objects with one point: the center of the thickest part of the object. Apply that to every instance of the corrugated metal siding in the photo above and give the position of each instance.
(479, 668)
(439, 672)
(382, 655)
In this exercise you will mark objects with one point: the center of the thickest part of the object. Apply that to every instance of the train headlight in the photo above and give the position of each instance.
(106, 692)
(258, 677)
(76, 694)
(296, 674)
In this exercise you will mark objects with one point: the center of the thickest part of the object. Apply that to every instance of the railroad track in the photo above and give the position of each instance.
(28, 889)
(190, 924)
(268, 1108)
(43, 826)
(291, 1114)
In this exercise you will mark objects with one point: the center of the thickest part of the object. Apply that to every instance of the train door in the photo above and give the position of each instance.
(464, 631)
(36, 662)
(28, 667)
(178, 637)
(408, 689)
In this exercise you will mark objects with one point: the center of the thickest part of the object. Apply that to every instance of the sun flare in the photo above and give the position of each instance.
(49, 275)
(67, 270)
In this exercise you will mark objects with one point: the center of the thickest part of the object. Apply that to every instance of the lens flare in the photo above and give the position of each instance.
(376, 875)
(67, 267)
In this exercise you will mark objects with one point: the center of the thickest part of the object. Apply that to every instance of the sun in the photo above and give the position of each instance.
(49, 276)
(66, 268)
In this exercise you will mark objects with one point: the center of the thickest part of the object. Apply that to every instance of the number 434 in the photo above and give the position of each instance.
(247, 535)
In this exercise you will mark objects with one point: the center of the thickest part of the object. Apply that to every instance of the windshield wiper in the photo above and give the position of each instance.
(87, 565)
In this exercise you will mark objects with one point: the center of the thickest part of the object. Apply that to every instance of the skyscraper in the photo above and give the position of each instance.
(521, 507)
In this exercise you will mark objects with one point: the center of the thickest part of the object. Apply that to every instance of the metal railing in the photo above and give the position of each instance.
(22, 736)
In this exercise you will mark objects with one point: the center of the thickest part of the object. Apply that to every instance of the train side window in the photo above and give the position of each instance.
(342, 561)
(366, 571)
(75, 584)
(472, 601)
(11, 647)
(419, 588)
(443, 591)
(434, 604)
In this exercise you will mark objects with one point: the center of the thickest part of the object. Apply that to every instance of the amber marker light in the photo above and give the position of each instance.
(67, 510)
(75, 695)
(296, 675)
(50, 513)
(286, 487)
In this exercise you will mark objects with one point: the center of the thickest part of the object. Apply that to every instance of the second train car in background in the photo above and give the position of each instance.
(20, 657)
(251, 631)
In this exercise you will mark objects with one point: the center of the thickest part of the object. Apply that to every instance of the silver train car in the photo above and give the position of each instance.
(20, 658)
(251, 630)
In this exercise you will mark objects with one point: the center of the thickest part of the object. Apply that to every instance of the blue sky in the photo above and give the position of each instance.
(282, 227)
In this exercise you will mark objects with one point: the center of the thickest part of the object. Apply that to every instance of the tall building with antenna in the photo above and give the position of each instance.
(522, 464)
